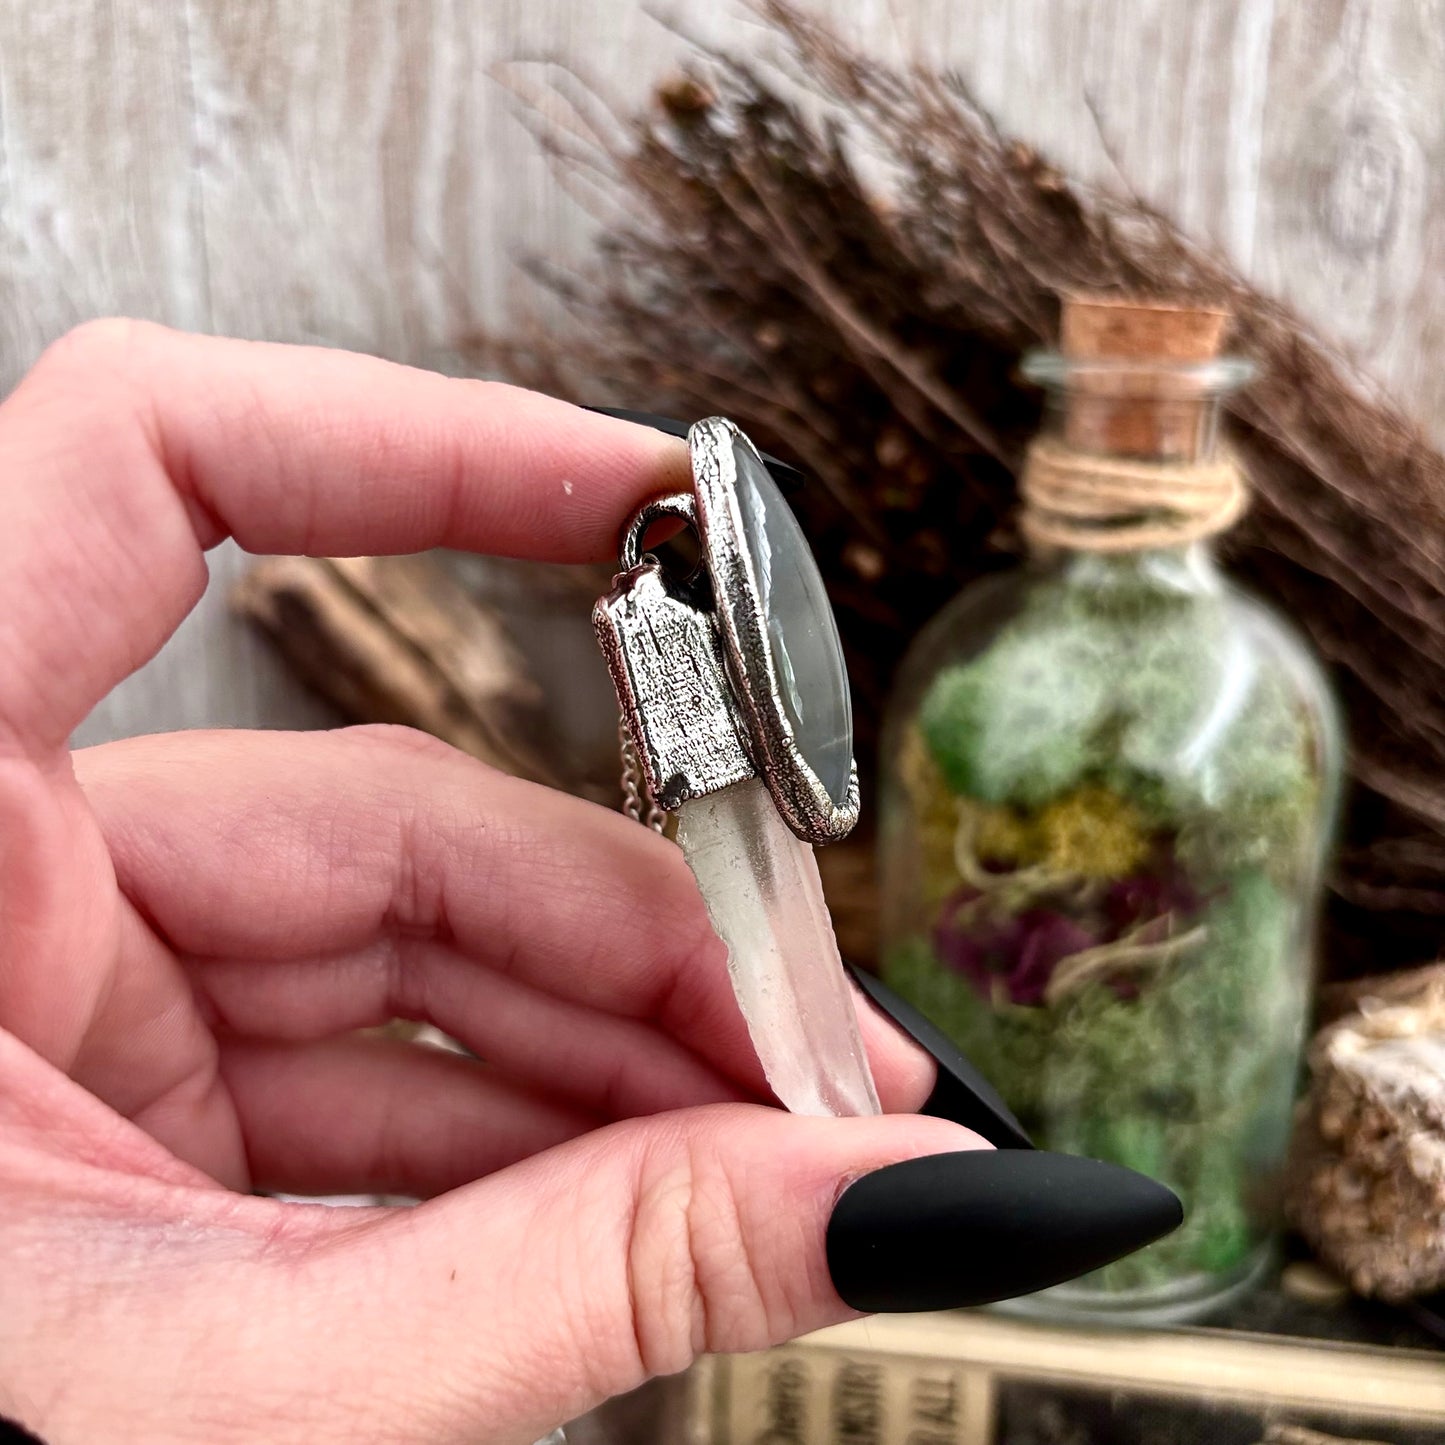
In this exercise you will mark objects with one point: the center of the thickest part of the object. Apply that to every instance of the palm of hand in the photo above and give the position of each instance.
(193, 927)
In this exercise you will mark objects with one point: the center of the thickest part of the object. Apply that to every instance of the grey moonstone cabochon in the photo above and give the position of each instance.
(802, 632)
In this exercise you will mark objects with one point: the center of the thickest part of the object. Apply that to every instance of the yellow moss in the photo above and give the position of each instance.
(1088, 833)
(919, 773)
(1001, 836)
(1093, 833)
(935, 813)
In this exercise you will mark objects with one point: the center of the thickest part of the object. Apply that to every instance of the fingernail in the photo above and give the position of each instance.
(787, 476)
(962, 1094)
(951, 1230)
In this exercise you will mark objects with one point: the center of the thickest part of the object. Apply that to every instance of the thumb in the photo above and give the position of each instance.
(520, 1301)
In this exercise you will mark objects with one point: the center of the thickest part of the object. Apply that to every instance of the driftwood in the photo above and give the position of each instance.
(1367, 1178)
(1281, 1433)
(395, 639)
(1367, 995)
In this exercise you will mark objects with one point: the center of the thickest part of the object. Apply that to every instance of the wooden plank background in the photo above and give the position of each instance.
(350, 172)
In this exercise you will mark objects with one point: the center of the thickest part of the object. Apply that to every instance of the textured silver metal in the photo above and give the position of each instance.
(797, 791)
(666, 660)
(678, 505)
(695, 675)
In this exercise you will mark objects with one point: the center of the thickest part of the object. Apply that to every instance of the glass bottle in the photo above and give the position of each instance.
(1109, 781)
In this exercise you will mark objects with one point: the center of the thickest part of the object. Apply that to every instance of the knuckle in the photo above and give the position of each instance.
(425, 823)
(407, 741)
(693, 1282)
(103, 345)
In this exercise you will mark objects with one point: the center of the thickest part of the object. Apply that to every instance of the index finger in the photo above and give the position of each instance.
(129, 449)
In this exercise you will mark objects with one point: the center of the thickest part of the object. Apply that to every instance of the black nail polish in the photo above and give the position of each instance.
(962, 1094)
(951, 1230)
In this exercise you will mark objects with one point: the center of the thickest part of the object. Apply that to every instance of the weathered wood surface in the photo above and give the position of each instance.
(350, 172)
(397, 640)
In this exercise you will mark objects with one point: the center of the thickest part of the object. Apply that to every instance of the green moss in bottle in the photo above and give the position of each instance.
(1109, 782)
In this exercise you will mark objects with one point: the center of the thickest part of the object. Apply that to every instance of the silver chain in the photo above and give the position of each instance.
(636, 800)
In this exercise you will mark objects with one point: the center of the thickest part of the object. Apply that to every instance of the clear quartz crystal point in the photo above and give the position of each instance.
(765, 899)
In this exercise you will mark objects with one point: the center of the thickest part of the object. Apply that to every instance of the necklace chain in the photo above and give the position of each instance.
(637, 802)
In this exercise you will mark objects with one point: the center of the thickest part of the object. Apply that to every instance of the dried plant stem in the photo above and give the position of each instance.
(874, 334)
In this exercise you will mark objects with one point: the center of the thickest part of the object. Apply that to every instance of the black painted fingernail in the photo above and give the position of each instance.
(962, 1094)
(951, 1230)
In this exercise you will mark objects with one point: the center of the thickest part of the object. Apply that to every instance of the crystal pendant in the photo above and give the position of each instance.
(765, 900)
(803, 637)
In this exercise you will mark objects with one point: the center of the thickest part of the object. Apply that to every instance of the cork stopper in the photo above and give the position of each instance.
(1137, 330)
(1135, 391)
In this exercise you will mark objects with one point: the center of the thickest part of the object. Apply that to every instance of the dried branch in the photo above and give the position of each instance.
(872, 332)
(394, 639)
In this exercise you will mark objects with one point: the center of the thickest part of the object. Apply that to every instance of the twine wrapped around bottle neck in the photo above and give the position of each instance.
(1088, 502)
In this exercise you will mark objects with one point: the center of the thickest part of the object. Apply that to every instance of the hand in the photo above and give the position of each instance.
(192, 927)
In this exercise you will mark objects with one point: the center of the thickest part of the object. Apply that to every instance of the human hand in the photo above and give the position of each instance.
(193, 926)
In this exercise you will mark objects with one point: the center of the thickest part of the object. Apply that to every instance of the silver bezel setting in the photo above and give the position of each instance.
(665, 655)
(692, 662)
(802, 800)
